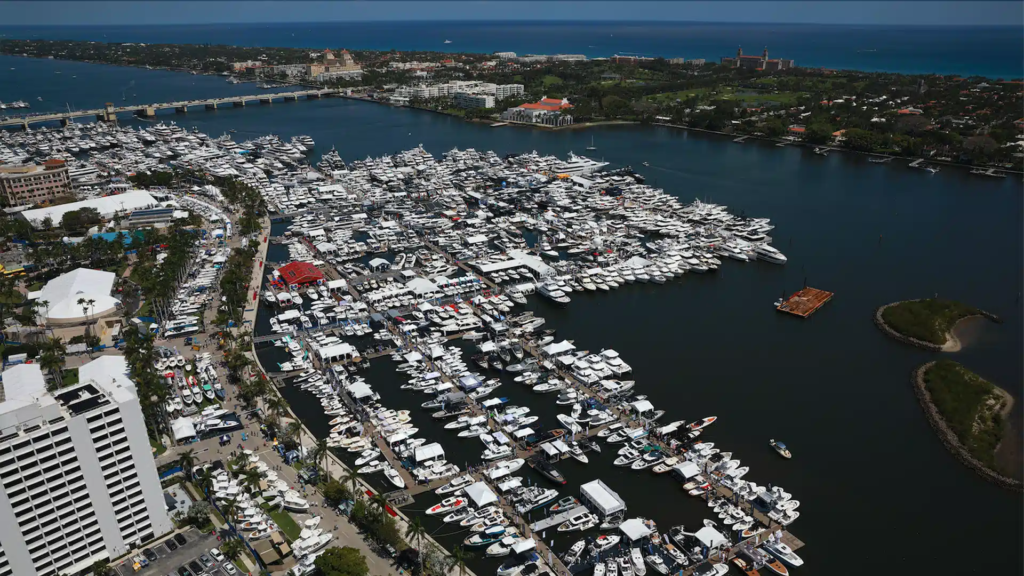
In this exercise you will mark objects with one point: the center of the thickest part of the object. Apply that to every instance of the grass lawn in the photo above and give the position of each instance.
(928, 320)
(286, 523)
(969, 405)
(144, 309)
(784, 98)
(551, 80)
(36, 286)
(160, 448)
(667, 97)
(70, 377)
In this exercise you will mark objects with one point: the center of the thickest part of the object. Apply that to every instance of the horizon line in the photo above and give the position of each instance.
(507, 21)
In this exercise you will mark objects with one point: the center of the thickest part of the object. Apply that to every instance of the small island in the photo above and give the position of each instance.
(969, 414)
(927, 323)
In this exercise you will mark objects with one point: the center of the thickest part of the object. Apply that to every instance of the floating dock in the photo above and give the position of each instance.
(805, 302)
(552, 521)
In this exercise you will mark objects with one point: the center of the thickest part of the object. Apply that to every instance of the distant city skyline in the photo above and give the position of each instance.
(923, 12)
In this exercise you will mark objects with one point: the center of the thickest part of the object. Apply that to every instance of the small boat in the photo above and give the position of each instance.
(394, 477)
(780, 448)
(784, 553)
(447, 505)
(578, 523)
(564, 504)
(574, 552)
(703, 422)
(604, 542)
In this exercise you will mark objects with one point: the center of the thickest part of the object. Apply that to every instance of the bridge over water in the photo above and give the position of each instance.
(109, 112)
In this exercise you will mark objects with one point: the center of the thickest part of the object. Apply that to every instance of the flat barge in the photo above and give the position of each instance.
(805, 302)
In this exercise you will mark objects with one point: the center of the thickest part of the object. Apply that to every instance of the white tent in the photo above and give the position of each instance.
(635, 529)
(602, 497)
(360, 390)
(429, 452)
(64, 292)
(556, 348)
(711, 537)
(480, 494)
(641, 406)
(183, 428)
(687, 469)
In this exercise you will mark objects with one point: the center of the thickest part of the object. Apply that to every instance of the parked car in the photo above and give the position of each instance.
(216, 554)
(181, 540)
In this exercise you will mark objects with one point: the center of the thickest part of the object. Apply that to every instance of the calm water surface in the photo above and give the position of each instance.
(874, 482)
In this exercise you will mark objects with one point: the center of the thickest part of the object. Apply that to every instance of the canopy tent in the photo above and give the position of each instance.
(413, 357)
(360, 390)
(511, 484)
(480, 494)
(183, 428)
(469, 383)
(634, 529)
(63, 293)
(523, 433)
(524, 546)
(429, 452)
(687, 469)
(711, 537)
(557, 348)
(641, 406)
(602, 497)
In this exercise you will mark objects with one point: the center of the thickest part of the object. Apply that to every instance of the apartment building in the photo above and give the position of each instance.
(77, 478)
(34, 184)
(470, 100)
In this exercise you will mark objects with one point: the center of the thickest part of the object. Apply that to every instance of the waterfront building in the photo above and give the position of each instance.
(339, 75)
(502, 91)
(289, 70)
(470, 100)
(33, 184)
(107, 206)
(237, 66)
(761, 62)
(505, 55)
(78, 479)
(549, 111)
(329, 63)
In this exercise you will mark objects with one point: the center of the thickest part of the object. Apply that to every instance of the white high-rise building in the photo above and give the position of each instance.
(77, 478)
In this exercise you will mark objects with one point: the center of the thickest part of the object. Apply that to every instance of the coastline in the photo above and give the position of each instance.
(950, 440)
(952, 343)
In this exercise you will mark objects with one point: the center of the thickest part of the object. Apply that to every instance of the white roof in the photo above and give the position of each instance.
(524, 545)
(107, 206)
(421, 286)
(64, 291)
(104, 369)
(687, 469)
(638, 262)
(642, 406)
(602, 496)
(476, 239)
(510, 484)
(331, 284)
(413, 357)
(360, 390)
(634, 529)
(480, 494)
(24, 382)
(710, 537)
(556, 348)
(379, 262)
(337, 350)
(669, 428)
(428, 452)
(523, 432)
(183, 428)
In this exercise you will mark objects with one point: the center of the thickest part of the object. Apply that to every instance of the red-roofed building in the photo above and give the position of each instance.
(299, 273)
(550, 111)
(757, 62)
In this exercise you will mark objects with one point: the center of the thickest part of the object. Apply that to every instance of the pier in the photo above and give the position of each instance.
(109, 112)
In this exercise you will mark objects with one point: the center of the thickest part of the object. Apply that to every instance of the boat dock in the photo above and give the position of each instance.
(553, 521)
(740, 139)
(805, 302)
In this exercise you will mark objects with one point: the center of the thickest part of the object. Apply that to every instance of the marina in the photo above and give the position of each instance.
(583, 326)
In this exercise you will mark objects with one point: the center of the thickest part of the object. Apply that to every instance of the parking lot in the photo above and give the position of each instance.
(180, 556)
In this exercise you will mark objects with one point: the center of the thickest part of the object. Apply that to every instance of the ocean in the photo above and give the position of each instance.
(879, 492)
(983, 51)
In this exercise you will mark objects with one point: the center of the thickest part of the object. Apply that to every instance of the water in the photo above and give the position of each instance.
(874, 482)
(832, 387)
(985, 51)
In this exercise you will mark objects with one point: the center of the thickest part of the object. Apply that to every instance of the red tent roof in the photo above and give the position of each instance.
(300, 273)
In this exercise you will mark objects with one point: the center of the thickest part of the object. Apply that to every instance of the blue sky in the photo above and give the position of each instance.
(920, 12)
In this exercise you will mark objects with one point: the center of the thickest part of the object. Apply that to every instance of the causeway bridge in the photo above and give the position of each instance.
(109, 112)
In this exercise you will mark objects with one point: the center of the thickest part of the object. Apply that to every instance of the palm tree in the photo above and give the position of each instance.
(380, 503)
(251, 479)
(458, 559)
(232, 549)
(228, 510)
(240, 461)
(53, 364)
(320, 452)
(187, 461)
(204, 480)
(416, 531)
(351, 476)
(293, 431)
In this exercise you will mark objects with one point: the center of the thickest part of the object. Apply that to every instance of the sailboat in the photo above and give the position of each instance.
(591, 147)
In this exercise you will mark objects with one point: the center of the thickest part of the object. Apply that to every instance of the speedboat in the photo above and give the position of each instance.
(578, 523)
(563, 504)
(503, 546)
(574, 552)
(447, 505)
(455, 484)
(606, 541)
(784, 553)
(639, 568)
(780, 448)
(703, 422)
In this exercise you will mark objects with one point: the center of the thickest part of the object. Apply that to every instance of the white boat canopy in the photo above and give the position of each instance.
(635, 529)
(360, 390)
(511, 484)
(480, 494)
(602, 497)
(524, 545)
(183, 428)
(522, 433)
(413, 357)
(642, 406)
(670, 428)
